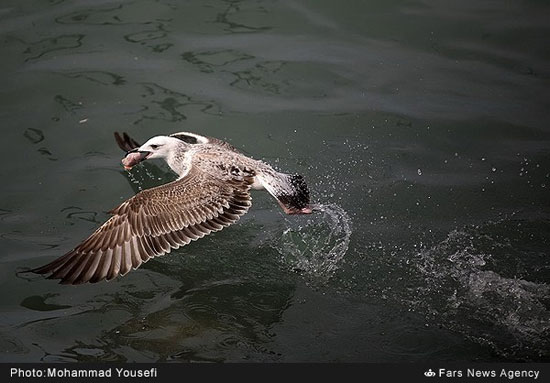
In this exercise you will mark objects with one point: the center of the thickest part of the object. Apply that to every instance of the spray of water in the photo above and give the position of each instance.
(466, 291)
(316, 247)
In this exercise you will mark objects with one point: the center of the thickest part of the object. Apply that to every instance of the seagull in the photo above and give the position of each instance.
(212, 191)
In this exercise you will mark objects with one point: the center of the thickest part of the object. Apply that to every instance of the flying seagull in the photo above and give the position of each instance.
(211, 192)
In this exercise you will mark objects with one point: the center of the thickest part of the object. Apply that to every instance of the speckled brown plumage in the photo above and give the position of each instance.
(213, 192)
(152, 223)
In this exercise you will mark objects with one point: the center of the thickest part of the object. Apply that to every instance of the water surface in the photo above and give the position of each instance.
(421, 127)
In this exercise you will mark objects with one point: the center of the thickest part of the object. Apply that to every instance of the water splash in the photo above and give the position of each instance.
(317, 247)
(471, 284)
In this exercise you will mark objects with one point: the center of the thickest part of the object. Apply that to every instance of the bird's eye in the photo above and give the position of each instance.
(154, 146)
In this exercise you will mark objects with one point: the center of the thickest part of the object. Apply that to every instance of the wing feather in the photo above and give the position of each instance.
(125, 142)
(152, 223)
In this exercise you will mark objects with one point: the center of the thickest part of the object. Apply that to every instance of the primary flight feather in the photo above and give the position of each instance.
(211, 192)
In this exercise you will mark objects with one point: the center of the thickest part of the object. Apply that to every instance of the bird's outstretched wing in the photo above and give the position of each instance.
(152, 223)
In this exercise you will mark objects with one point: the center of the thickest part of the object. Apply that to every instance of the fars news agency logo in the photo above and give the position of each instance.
(429, 373)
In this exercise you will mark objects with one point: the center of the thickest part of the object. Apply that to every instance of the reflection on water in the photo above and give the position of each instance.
(34, 135)
(73, 212)
(165, 104)
(233, 8)
(422, 131)
(186, 312)
(207, 61)
(68, 105)
(38, 303)
(36, 50)
(96, 16)
(100, 77)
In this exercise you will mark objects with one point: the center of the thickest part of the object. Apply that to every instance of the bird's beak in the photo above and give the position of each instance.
(134, 157)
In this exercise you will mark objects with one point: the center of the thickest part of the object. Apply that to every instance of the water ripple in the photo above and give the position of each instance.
(40, 48)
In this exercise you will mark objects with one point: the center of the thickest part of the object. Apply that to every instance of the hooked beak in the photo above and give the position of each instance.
(134, 157)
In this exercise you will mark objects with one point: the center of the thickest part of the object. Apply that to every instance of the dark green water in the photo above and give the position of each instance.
(421, 126)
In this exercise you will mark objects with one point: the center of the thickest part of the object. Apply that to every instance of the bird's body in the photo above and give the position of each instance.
(211, 192)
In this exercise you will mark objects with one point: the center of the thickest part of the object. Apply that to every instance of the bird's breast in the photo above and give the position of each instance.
(257, 184)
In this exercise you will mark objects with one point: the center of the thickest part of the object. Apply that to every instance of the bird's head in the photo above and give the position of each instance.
(157, 147)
